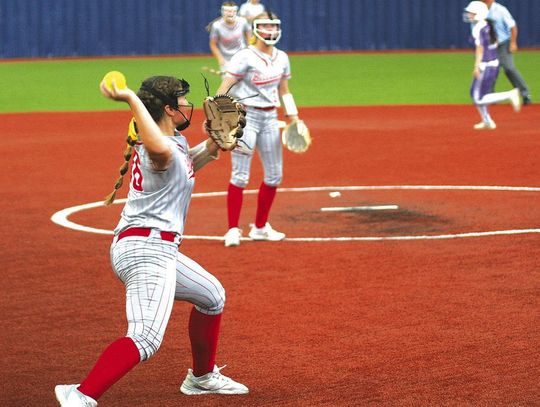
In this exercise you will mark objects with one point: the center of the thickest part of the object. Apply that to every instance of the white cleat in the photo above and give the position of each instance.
(211, 383)
(485, 126)
(515, 99)
(68, 396)
(266, 233)
(232, 237)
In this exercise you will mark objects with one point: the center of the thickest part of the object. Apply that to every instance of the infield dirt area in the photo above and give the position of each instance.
(446, 322)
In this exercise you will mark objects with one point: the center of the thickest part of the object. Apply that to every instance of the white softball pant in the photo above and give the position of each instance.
(262, 134)
(155, 274)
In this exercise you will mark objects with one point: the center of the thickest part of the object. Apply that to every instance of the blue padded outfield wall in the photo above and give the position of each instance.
(74, 28)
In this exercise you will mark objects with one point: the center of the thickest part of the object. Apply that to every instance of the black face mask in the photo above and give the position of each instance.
(183, 126)
(186, 124)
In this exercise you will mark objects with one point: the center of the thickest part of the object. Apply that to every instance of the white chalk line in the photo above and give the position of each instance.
(61, 217)
(359, 208)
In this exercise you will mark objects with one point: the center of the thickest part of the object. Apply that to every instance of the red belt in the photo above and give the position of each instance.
(266, 109)
(145, 232)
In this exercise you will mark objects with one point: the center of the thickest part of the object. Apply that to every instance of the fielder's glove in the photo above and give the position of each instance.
(296, 137)
(225, 120)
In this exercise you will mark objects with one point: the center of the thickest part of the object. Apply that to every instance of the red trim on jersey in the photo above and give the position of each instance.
(234, 74)
(264, 60)
(265, 82)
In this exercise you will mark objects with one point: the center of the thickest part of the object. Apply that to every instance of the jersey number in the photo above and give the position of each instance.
(136, 174)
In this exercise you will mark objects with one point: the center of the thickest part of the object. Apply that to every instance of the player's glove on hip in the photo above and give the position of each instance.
(225, 120)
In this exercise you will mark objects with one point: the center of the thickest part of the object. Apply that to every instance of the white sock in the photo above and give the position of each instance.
(491, 98)
(484, 114)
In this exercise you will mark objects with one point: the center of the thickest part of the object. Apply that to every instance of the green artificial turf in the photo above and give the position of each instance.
(318, 80)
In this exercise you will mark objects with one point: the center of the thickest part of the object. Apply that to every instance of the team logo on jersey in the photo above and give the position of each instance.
(259, 79)
(233, 39)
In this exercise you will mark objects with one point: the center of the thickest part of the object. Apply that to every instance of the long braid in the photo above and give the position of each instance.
(492, 32)
(131, 141)
(155, 92)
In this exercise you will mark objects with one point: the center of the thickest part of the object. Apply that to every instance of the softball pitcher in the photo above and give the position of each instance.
(258, 76)
(228, 34)
(486, 66)
(144, 252)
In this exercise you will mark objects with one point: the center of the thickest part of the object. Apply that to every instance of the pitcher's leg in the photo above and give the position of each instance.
(197, 286)
(114, 363)
(203, 335)
(149, 299)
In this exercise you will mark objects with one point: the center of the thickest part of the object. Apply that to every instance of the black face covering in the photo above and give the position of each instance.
(183, 126)
(172, 101)
(186, 124)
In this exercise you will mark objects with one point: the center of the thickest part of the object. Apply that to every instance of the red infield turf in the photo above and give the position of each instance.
(449, 322)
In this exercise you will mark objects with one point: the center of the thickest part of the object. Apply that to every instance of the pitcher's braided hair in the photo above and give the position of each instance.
(155, 92)
(128, 152)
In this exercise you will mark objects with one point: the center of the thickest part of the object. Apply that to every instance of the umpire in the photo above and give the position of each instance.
(507, 32)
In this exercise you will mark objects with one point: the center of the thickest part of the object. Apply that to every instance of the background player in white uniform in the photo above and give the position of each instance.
(250, 9)
(228, 34)
(259, 76)
(144, 252)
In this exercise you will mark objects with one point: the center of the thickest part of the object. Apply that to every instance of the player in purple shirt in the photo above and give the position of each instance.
(486, 66)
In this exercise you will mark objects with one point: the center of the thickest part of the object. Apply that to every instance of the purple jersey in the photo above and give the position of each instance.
(481, 36)
(489, 67)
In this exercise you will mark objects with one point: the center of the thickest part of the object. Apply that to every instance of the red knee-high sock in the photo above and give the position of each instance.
(264, 203)
(203, 334)
(119, 358)
(234, 204)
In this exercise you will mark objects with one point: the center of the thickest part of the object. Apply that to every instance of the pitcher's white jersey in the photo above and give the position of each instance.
(258, 73)
(230, 39)
(159, 199)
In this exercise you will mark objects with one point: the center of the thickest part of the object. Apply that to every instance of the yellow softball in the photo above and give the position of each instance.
(118, 77)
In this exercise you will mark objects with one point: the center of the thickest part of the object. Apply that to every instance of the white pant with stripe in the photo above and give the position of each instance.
(262, 134)
(155, 274)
